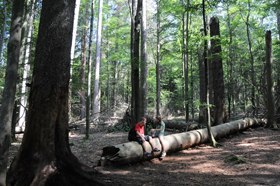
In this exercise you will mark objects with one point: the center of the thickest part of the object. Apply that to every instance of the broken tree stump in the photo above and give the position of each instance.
(132, 152)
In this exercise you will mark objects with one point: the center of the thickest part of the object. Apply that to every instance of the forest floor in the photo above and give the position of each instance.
(198, 165)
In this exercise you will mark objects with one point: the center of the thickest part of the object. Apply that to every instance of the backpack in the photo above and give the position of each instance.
(132, 134)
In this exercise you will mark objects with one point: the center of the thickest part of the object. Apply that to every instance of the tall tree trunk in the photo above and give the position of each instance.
(97, 63)
(186, 64)
(83, 63)
(278, 62)
(44, 157)
(3, 29)
(251, 59)
(26, 71)
(6, 111)
(207, 77)
(158, 60)
(143, 88)
(218, 74)
(230, 79)
(132, 51)
(202, 84)
(136, 60)
(73, 45)
(89, 70)
(271, 121)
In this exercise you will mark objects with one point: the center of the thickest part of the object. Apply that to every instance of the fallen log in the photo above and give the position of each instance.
(176, 125)
(132, 152)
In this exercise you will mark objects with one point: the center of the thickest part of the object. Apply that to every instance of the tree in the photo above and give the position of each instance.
(271, 122)
(207, 77)
(97, 62)
(83, 62)
(26, 71)
(136, 61)
(73, 45)
(44, 157)
(158, 60)
(143, 88)
(10, 87)
(217, 71)
(89, 71)
(3, 29)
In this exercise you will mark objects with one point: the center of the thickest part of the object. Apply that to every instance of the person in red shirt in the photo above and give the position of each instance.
(141, 138)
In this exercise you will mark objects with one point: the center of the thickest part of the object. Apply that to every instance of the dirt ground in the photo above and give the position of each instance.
(198, 165)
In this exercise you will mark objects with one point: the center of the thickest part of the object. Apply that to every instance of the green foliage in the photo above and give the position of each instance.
(235, 159)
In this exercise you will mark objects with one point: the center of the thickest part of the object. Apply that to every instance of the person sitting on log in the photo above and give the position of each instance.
(141, 138)
(160, 133)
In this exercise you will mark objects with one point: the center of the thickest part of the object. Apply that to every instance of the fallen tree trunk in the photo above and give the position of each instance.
(170, 124)
(132, 152)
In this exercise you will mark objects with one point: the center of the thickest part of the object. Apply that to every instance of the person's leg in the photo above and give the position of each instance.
(152, 144)
(161, 141)
(140, 141)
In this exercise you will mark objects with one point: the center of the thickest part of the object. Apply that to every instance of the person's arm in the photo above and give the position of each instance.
(157, 129)
(138, 133)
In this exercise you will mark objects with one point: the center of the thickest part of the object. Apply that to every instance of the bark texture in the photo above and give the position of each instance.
(218, 74)
(44, 157)
(132, 152)
(10, 87)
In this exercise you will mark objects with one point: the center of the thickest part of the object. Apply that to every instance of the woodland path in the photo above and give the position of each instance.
(198, 165)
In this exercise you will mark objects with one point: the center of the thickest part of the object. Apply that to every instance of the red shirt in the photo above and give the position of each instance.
(139, 128)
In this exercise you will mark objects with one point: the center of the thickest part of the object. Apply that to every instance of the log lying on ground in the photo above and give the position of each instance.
(132, 152)
(170, 124)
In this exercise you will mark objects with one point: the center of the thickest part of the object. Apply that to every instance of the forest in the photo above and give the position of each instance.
(100, 66)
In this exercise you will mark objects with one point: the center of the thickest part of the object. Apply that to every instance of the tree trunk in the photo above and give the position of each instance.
(143, 88)
(217, 72)
(44, 157)
(6, 111)
(252, 60)
(97, 63)
(83, 63)
(132, 35)
(271, 121)
(132, 152)
(73, 45)
(158, 61)
(136, 61)
(89, 71)
(3, 29)
(26, 71)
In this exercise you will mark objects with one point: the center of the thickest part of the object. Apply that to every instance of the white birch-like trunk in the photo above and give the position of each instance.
(97, 62)
(26, 70)
(143, 60)
(72, 55)
(158, 60)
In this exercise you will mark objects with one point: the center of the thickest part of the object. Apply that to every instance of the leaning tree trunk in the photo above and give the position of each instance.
(44, 157)
(132, 152)
(6, 111)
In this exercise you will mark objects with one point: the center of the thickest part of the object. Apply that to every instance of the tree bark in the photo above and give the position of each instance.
(44, 157)
(97, 63)
(136, 61)
(132, 152)
(89, 71)
(6, 111)
(271, 121)
(3, 29)
(73, 45)
(158, 61)
(217, 72)
(143, 88)
(83, 62)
